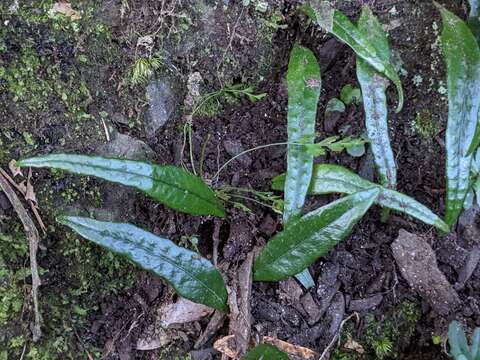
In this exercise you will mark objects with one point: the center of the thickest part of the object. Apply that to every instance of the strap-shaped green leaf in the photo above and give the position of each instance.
(328, 179)
(265, 352)
(192, 276)
(374, 87)
(168, 184)
(338, 24)
(458, 342)
(475, 347)
(474, 25)
(462, 56)
(304, 84)
(312, 236)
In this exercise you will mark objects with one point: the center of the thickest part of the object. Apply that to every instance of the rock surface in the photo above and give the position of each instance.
(418, 265)
(162, 103)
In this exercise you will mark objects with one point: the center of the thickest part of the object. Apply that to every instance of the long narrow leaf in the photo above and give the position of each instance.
(335, 22)
(458, 341)
(168, 184)
(475, 347)
(462, 56)
(328, 179)
(374, 87)
(192, 276)
(265, 352)
(304, 84)
(312, 236)
(474, 25)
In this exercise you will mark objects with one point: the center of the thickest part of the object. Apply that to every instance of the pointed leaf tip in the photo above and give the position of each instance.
(169, 185)
(191, 275)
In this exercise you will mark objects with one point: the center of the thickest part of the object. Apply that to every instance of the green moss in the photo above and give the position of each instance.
(424, 126)
(381, 338)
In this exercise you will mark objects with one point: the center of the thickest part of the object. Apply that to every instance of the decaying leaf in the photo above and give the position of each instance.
(183, 311)
(14, 169)
(65, 8)
(295, 351)
(352, 345)
(227, 346)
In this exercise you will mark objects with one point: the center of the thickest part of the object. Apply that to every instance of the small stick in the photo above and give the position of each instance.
(336, 336)
(33, 238)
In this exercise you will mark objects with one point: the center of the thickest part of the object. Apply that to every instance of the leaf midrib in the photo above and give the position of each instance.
(140, 175)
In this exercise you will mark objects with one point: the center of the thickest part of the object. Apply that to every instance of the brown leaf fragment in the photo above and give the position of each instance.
(14, 169)
(29, 191)
(294, 351)
(227, 346)
(183, 311)
(353, 346)
(66, 9)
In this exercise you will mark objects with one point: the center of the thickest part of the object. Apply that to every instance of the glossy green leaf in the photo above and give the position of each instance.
(374, 87)
(457, 340)
(168, 184)
(312, 236)
(474, 25)
(335, 22)
(328, 179)
(462, 56)
(304, 84)
(265, 352)
(192, 276)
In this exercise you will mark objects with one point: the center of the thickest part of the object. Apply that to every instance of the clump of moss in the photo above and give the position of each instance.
(381, 338)
(424, 125)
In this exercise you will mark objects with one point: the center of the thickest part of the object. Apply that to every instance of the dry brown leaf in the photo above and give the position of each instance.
(290, 349)
(183, 311)
(22, 187)
(14, 169)
(354, 346)
(29, 192)
(227, 346)
(65, 8)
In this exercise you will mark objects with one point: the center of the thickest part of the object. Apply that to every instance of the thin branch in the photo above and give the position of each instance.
(33, 238)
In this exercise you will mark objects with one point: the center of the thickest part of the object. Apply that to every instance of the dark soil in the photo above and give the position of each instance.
(365, 276)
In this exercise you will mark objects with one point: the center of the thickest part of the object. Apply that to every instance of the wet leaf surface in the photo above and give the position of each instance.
(192, 276)
(167, 184)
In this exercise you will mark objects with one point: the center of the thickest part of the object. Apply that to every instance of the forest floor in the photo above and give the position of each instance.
(71, 81)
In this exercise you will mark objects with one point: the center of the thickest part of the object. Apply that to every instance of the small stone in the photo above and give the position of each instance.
(311, 308)
(418, 265)
(235, 147)
(162, 103)
(366, 303)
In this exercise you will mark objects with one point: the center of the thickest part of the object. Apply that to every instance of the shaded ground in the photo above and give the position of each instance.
(61, 81)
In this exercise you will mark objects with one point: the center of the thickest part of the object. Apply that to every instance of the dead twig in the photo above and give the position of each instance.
(337, 336)
(33, 238)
